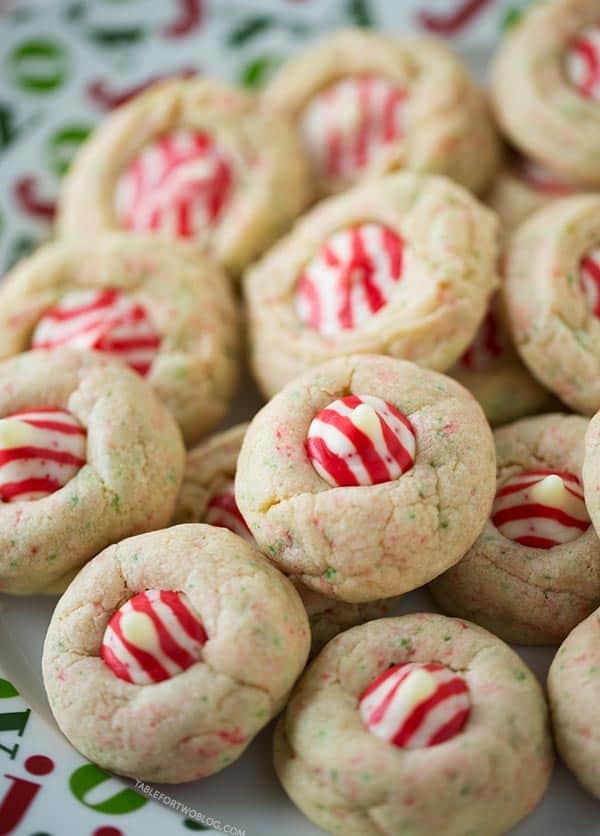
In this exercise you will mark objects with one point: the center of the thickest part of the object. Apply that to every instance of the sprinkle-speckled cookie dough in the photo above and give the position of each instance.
(574, 693)
(534, 572)
(491, 370)
(165, 310)
(383, 532)
(421, 724)
(545, 85)
(365, 104)
(190, 159)
(402, 266)
(552, 293)
(207, 496)
(89, 455)
(170, 651)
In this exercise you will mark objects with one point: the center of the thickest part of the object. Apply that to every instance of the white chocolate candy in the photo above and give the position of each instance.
(541, 509)
(360, 440)
(415, 705)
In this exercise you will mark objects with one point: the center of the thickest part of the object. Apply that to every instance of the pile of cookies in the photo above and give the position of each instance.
(362, 221)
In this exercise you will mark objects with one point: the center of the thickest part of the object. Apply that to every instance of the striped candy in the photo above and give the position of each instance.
(489, 344)
(102, 320)
(542, 179)
(40, 451)
(583, 62)
(541, 509)
(590, 279)
(177, 185)
(152, 637)
(349, 123)
(354, 274)
(223, 511)
(360, 440)
(415, 705)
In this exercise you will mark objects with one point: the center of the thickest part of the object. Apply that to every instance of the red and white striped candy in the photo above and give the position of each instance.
(102, 320)
(360, 440)
(542, 179)
(40, 451)
(583, 62)
(589, 274)
(489, 344)
(351, 122)
(223, 511)
(177, 185)
(152, 637)
(541, 509)
(352, 276)
(416, 705)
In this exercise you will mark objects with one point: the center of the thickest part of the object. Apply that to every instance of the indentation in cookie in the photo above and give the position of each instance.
(154, 636)
(104, 320)
(349, 123)
(488, 345)
(353, 275)
(222, 510)
(541, 509)
(415, 705)
(589, 275)
(583, 62)
(178, 185)
(360, 440)
(40, 451)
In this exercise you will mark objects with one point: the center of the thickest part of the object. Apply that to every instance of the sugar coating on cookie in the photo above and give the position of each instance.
(353, 274)
(153, 636)
(190, 160)
(365, 104)
(222, 511)
(574, 697)
(104, 320)
(415, 705)
(360, 440)
(173, 684)
(534, 571)
(541, 509)
(40, 451)
(583, 62)
(347, 124)
(420, 724)
(179, 183)
(403, 265)
(545, 87)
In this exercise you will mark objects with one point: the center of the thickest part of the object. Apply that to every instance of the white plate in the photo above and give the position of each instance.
(52, 56)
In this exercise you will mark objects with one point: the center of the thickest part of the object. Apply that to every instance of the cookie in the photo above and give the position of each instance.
(170, 651)
(534, 572)
(402, 266)
(521, 187)
(189, 159)
(545, 87)
(591, 471)
(491, 370)
(420, 724)
(165, 310)
(365, 104)
(207, 496)
(574, 694)
(366, 477)
(552, 293)
(88, 455)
